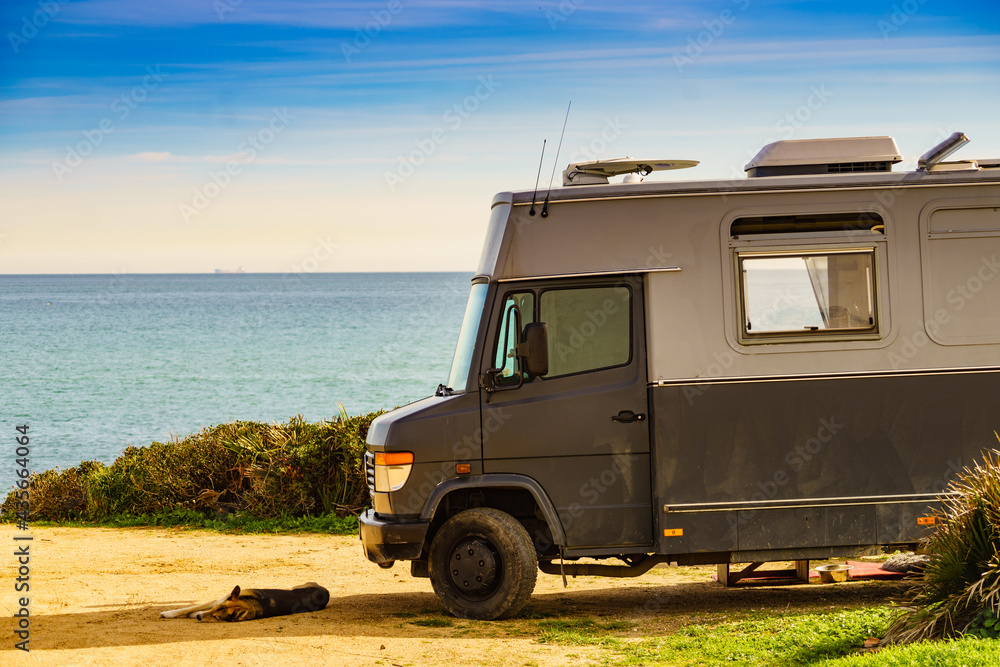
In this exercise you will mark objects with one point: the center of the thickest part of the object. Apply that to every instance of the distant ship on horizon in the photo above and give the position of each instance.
(239, 270)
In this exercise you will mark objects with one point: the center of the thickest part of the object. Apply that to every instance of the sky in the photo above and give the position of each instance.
(328, 136)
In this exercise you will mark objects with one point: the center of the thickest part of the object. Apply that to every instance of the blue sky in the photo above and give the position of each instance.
(371, 136)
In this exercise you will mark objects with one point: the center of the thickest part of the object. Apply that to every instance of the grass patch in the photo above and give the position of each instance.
(760, 639)
(823, 639)
(965, 652)
(238, 524)
(580, 631)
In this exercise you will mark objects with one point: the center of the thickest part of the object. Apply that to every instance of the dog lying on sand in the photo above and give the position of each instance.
(254, 603)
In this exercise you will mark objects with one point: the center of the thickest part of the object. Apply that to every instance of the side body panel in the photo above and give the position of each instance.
(814, 462)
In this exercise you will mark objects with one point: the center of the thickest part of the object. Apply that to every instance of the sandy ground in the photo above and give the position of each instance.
(96, 595)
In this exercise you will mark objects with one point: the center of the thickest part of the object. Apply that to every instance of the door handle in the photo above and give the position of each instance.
(627, 417)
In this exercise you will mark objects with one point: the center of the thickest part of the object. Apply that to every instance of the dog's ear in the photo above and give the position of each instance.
(236, 594)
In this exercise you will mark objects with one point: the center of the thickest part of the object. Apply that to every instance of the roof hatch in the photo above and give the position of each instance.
(825, 156)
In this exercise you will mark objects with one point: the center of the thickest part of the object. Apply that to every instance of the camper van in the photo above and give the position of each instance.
(782, 367)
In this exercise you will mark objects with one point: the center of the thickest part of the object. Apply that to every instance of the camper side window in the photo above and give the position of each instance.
(808, 293)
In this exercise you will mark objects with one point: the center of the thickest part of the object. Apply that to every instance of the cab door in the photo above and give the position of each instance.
(582, 429)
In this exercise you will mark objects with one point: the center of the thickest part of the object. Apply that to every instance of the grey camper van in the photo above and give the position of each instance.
(787, 366)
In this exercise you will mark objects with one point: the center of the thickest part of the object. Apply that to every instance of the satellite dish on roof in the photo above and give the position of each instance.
(598, 171)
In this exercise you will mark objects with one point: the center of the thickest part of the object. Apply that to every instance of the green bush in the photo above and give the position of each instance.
(266, 471)
(985, 626)
(959, 589)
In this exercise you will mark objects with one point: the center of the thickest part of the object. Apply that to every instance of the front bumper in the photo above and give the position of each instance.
(386, 541)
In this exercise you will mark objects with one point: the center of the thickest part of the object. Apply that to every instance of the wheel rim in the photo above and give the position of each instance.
(475, 567)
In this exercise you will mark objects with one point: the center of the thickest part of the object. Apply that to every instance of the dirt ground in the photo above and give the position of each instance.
(96, 595)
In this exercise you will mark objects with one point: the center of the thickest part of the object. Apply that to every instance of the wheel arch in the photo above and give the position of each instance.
(500, 481)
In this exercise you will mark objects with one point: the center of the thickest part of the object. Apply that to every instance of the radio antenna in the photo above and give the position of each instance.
(545, 206)
(537, 176)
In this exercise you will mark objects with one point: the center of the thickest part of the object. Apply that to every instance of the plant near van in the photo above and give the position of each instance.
(232, 475)
(959, 591)
(986, 626)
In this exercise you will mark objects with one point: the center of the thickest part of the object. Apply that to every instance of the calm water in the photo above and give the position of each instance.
(93, 363)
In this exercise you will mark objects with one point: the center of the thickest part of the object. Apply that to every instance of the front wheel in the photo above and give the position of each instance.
(482, 564)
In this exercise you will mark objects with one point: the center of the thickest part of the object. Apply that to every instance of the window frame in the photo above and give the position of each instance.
(745, 337)
(511, 381)
(537, 293)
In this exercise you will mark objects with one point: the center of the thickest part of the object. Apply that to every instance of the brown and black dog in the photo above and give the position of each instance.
(254, 603)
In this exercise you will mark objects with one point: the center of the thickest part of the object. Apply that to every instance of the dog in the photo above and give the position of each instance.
(254, 603)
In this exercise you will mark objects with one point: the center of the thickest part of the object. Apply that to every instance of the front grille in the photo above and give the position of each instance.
(370, 473)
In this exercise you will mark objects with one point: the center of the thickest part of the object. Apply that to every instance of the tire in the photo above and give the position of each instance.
(483, 565)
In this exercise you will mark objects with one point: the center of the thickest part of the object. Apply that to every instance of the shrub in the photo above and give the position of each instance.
(294, 469)
(959, 589)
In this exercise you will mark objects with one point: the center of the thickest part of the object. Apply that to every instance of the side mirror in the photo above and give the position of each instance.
(534, 348)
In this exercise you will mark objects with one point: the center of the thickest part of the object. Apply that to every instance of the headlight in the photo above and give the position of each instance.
(392, 470)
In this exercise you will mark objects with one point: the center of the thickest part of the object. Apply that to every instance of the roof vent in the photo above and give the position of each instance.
(935, 155)
(598, 171)
(825, 156)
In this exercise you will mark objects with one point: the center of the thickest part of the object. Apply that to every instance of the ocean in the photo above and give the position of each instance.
(94, 363)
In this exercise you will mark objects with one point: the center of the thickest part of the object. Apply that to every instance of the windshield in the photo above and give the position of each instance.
(467, 338)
